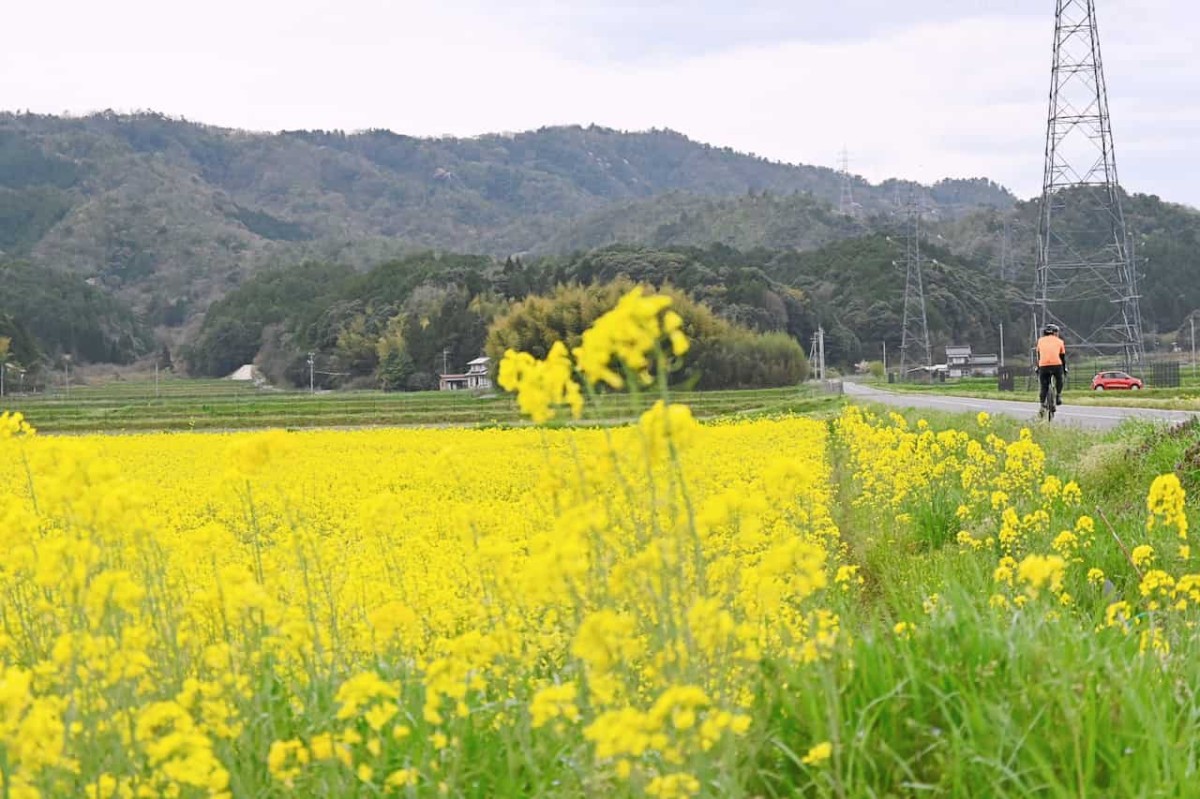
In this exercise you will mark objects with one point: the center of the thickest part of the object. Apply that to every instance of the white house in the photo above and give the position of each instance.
(476, 377)
(958, 360)
(961, 362)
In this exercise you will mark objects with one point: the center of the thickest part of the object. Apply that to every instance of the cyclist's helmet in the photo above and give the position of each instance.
(1050, 330)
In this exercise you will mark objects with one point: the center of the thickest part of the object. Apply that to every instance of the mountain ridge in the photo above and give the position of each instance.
(167, 216)
(157, 209)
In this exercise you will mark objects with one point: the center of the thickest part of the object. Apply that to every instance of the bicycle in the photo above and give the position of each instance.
(1049, 406)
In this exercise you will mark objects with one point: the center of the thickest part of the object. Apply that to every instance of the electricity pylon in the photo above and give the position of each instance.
(846, 202)
(914, 339)
(1086, 280)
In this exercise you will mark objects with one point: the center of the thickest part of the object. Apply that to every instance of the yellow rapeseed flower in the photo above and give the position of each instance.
(818, 754)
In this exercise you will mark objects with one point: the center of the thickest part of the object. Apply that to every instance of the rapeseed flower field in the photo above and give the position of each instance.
(668, 609)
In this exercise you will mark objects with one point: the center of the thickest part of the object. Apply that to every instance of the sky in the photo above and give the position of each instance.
(917, 89)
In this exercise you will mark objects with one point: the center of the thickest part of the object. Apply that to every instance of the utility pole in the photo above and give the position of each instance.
(1001, 343)
(156, 378)
(445, 361)
(67, 374)
(821, 349)
(885, 356)
(816, 353)
(1193, 321)
(1086, 280)
(312, 383)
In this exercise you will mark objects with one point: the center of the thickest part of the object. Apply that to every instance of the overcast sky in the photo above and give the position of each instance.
(912, 88)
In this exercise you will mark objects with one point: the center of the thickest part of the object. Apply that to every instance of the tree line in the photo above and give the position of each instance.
(752, 313)
(398, 326)
(48, 315)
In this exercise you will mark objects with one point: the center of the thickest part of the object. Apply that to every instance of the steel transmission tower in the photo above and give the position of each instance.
(1005, 257)
(846, 203)
(914, 340)
(1086, 281)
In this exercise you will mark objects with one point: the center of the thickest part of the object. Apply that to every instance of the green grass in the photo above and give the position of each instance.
(976, 704)
(980, 702)
(188, 404)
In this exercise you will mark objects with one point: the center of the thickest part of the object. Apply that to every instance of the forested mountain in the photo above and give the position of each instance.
(171, 214)
(142, 222)
(762, 220)
(48, 313)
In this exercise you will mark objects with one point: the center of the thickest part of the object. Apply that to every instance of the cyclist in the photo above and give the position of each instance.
(1052, 362)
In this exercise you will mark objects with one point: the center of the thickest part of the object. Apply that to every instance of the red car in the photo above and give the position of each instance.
(1107, 381)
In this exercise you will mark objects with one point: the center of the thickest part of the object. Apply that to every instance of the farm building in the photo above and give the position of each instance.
(961, 362)
(476, 377)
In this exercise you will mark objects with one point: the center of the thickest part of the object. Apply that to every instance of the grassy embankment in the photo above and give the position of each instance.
(977, 699)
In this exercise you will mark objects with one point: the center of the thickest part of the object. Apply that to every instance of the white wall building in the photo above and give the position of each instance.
(961, 362)
(476, 377)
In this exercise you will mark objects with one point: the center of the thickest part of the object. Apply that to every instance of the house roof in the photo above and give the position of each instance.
(478, 361)
(246, 372)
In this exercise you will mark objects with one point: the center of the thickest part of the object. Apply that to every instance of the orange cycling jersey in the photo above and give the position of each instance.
(1051, 351)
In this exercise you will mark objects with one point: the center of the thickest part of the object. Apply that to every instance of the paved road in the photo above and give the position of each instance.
(1093, 416)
